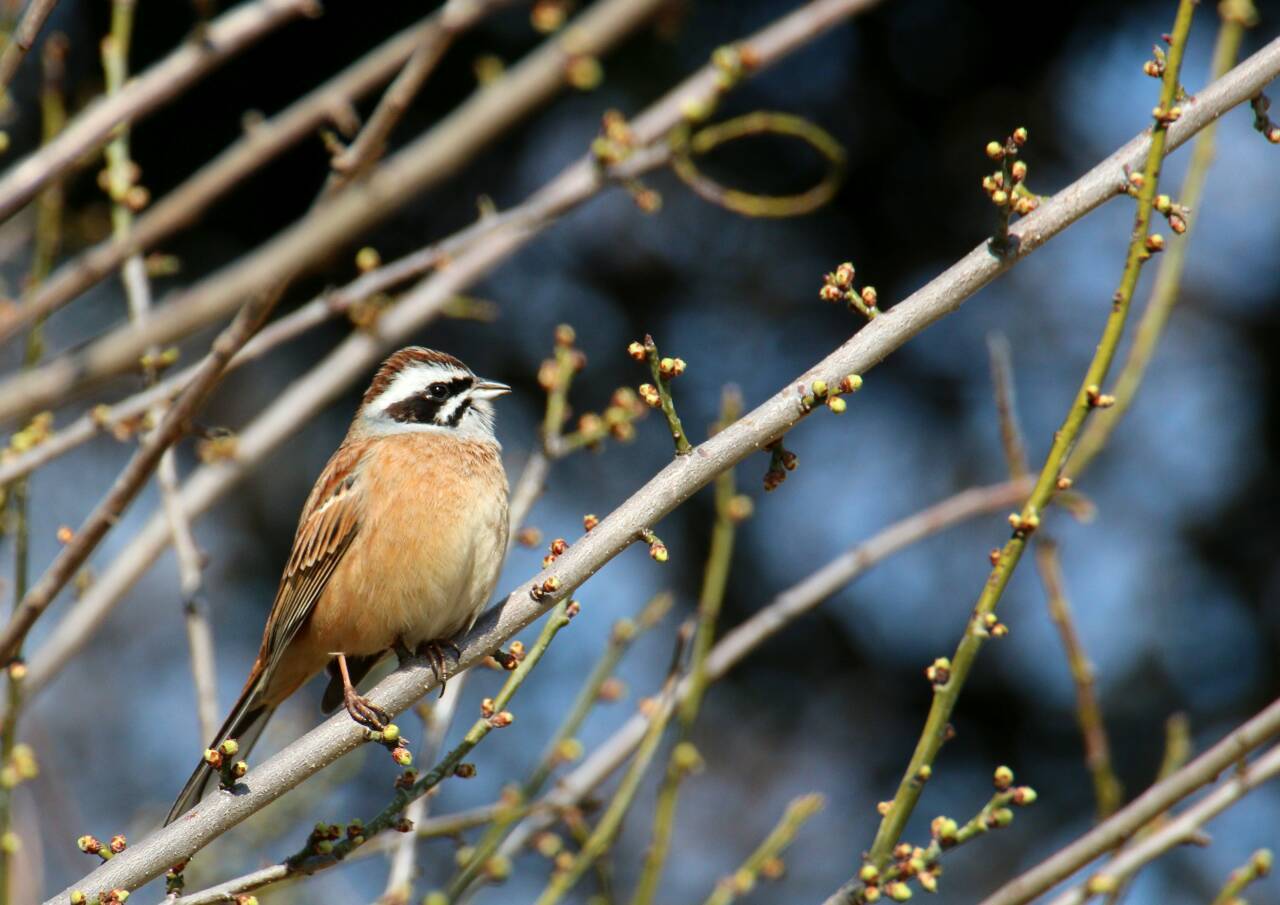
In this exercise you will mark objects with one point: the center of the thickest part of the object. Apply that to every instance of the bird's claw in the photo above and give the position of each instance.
(434, 651)
(364, 711)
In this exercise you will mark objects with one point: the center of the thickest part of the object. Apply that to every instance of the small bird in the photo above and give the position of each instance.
(398, 547)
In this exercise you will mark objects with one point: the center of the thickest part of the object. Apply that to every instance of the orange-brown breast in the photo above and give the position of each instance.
(424, 560)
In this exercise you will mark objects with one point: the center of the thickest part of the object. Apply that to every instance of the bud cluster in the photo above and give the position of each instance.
(838, 286)
(782, 460)
(938, 672)
(390, 738)
(22, 765)
(1006, 187)
(1097, 399)
(1155, 66)
(1024, 525)
(657, 549)
(222, 759)
(1261, 104)
(821, 391)
(555, 551)
(657, 394)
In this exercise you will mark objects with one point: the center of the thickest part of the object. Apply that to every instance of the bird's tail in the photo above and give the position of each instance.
(244, 724)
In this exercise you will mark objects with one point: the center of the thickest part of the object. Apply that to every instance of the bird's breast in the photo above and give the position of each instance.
(431, 541)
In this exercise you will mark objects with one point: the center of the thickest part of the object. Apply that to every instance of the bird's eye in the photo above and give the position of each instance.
(438, 390)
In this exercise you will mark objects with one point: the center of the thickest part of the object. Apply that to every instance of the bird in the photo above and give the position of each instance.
(398, 547)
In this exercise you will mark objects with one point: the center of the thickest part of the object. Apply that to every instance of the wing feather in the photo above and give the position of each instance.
(330, 521)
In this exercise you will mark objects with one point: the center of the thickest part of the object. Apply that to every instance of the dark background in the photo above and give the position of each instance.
(1174, 582)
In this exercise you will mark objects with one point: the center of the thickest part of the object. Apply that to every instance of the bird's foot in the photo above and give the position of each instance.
(434, 651)
(364, 711)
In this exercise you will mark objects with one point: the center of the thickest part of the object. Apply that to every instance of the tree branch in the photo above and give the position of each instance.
(1176, 831)
(135, 474)
(425, 162)
(23, 39)
(766, 622)
(1151, 803)
(950, 676)
(229, 34)
(455, 17)
(362, 350)
(681, 478)
(261, 143)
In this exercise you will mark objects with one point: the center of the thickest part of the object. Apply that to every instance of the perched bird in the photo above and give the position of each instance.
(398, 546)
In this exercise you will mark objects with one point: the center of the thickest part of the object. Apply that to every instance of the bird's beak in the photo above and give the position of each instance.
(490, 389)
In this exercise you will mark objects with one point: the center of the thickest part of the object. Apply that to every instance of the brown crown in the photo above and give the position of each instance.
(398, 361)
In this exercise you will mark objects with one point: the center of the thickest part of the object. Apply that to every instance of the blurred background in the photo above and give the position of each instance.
(1175, 581)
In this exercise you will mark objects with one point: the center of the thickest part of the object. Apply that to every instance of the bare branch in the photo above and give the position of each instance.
(1156, 800)
(404, 852)
(1176, 831)
(261, 143)
(421, 164)
(23, 39)
(362, 350)
(455, 17)
(135, 474)
(225, 37)
(681, 478)
(744, 639)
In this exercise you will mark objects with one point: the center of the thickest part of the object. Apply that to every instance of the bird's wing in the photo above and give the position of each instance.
(329, 522)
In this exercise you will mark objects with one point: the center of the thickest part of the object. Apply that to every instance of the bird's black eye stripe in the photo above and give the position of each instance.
(414, 410)
(456, 417)
(424, 407)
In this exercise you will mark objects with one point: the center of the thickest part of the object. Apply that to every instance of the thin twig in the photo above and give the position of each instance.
(623, 635)
(610, 821)
(1168, 281)
(741, 881)
(1176, 831)
(22, 40)
(663, 371)
(951, 679)
(399, 888)
(1150, 804)
(684, 756)
(454, 18)
(229, 34)
(1097, 750)
(1107, 790)
(1015, 447)
(421, 164)
(1257, 867)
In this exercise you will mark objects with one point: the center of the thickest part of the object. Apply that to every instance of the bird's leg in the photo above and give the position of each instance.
(362, 710)
(434, 651)
(403, 654)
